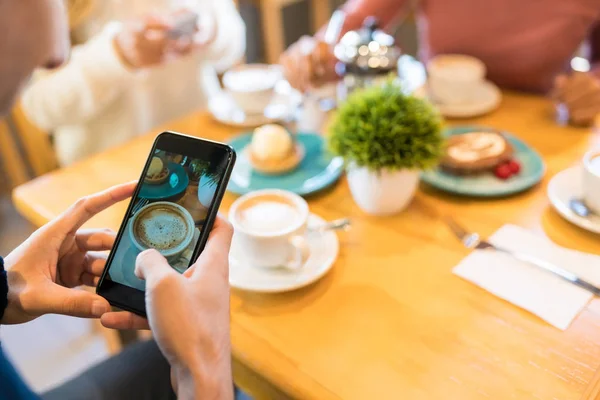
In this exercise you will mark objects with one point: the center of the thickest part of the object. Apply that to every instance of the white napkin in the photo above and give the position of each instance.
(554, 300)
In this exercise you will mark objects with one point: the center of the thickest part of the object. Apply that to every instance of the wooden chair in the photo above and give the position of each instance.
(25, 150)
(11, 159)
(38, 149)
(272, 23)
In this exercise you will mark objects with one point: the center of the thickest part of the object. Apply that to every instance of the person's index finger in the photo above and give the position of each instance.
(218, 244)
(152, 267)
(221, 233)
(86, 207)
(156, 23)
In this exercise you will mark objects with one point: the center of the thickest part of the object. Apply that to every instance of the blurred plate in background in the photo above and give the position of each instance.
(318, 169)
(486, 184)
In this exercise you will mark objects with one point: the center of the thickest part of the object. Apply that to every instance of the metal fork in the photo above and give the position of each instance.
(472, 240)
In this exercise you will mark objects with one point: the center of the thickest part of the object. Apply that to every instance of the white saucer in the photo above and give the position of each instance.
(225, 110)
(563, 187)
(486, 100)
(323, 253)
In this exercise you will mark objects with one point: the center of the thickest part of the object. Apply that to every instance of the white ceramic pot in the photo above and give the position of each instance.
(383, 192)
(206, 191)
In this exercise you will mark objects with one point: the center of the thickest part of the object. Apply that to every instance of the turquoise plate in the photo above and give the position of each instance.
(317, 171)
(174, 186)
(487, 185)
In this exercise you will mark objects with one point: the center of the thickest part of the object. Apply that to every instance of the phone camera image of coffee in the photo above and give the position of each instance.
(177, 196)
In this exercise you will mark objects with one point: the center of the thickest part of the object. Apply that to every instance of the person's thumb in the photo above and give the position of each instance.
(75, 302)
(152, 267)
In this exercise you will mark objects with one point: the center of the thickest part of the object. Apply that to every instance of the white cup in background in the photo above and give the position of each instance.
(591, 180)
(270, 227)
(454, 78)
(252, 86)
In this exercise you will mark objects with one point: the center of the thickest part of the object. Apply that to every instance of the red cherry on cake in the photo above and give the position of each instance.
(503, 171)
(514, 166)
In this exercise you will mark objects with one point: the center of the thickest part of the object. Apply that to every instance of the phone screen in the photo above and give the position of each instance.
(173, 202)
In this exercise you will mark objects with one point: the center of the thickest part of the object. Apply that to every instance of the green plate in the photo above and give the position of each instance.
(486, 184)
(173, 187)
(317, 171)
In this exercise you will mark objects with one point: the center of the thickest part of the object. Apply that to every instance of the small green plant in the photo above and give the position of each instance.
(213, 173)
(197, 168)
(383, 128)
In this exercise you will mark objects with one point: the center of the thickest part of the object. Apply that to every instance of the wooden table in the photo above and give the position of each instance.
(390, 321)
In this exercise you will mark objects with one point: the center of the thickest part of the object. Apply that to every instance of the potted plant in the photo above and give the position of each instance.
(207, 186)
(386, 137)
(195, 170)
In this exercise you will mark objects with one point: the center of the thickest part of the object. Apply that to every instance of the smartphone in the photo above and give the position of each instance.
(172, 210)
(185, 25)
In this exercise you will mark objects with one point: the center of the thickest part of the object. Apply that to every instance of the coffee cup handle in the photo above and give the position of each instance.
(300, 249)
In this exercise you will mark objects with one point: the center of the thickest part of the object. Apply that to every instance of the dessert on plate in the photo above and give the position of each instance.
(273, 151)
(157, 172)
(477, 152)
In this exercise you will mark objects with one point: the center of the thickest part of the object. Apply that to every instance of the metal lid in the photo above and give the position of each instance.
(368, 50)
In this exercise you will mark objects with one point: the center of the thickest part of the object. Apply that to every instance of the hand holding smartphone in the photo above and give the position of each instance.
(186, 24)
(172, 210)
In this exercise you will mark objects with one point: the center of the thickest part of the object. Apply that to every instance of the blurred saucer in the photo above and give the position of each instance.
(486, 100)
(285, 102)
(324, 249)
(565, 186)
(317, 170)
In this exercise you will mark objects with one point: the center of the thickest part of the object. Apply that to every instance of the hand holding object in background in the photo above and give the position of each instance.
(158, 39)
(143, 44)
(580, 94)
(308, 63)
(191, 30)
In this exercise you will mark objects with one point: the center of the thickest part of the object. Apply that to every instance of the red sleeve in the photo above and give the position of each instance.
(357, 10)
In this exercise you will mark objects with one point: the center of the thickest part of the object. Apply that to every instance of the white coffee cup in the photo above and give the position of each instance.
(591, 180)
(270, 227)
(454, 78)
(252, 86)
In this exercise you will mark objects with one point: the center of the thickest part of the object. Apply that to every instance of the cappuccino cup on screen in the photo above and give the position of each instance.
(164, 226)
(591, 180)
(454, 78)
(270, 227)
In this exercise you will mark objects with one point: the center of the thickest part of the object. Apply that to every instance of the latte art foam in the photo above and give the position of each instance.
(269, 217)
(161, 229)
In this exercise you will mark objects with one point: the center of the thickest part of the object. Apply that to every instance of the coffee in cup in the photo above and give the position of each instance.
(269, 228)
(252, 86)
(591, 180)
(454, 78)
(164, 226)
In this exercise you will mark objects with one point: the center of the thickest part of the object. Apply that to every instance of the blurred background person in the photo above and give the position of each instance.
(139, 69)
(525, 45)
